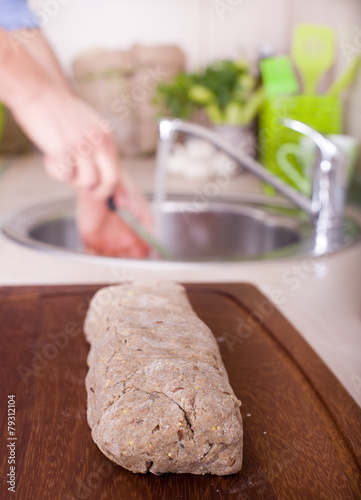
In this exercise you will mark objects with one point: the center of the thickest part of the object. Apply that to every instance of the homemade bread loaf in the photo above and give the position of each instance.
(159, 398)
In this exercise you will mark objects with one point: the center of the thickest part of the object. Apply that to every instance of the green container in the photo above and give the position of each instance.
(323, 113)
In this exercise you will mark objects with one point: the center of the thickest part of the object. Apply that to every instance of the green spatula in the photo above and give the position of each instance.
(313, 52)
(346, 79)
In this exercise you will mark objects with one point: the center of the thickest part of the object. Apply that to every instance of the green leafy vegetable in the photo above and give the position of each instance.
(225, 90)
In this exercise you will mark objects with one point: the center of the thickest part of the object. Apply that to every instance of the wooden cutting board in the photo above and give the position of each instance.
(302, 429)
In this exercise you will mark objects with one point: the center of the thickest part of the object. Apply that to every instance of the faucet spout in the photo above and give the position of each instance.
(168, 128)
(326, 206)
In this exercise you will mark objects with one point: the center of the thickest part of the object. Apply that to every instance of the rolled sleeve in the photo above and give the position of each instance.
(15, 14)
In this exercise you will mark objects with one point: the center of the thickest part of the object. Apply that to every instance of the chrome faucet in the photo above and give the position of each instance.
(326, 206)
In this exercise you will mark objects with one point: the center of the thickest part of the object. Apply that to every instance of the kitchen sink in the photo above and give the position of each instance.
(219, 231)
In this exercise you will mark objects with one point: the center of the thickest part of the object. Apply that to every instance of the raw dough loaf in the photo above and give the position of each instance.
(159, 398)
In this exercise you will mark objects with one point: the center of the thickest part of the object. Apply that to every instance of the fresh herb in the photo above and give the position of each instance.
(225, 90)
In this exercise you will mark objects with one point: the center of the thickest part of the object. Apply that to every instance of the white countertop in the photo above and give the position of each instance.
(322, 298)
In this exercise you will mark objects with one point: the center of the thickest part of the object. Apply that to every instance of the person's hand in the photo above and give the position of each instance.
(77, 144)
(104, 232)
(79, 149)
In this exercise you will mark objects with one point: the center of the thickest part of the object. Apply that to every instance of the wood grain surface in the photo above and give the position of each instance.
(302, 429)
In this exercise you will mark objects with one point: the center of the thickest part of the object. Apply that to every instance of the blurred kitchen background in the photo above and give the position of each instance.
(107, 47)
(204, 29)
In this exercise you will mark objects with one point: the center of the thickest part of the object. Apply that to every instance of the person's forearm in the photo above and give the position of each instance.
(39, 49)
(22, 79)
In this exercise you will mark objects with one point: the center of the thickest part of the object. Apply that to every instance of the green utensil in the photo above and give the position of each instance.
(346, 78)
(272, 135)
(278, 76)
(313, 52)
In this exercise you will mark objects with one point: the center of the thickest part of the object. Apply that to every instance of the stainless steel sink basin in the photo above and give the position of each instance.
(225, 232)
(221, 231)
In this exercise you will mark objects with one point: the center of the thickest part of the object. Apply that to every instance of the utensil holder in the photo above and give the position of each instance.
(323, 113)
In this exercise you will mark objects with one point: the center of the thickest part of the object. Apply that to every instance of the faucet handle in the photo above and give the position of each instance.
(327, 148)
(329, 178)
